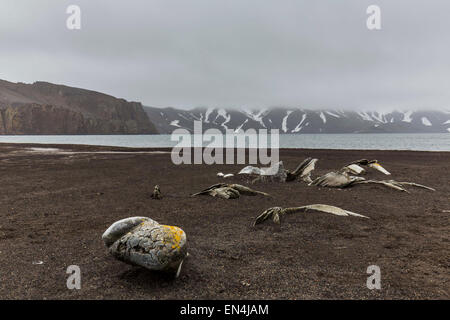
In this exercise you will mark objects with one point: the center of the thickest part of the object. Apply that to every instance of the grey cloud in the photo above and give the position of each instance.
(235, 53)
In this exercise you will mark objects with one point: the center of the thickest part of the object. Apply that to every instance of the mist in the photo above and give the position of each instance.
(236, 54)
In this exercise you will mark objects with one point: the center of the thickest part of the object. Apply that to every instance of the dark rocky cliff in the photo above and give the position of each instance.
(45, 108)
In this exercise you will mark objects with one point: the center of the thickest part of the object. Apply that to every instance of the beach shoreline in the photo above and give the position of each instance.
(105, 148)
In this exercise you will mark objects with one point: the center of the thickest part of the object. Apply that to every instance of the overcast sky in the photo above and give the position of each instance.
(235, 53)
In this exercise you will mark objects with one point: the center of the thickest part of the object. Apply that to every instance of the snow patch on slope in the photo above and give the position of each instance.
(240, 127)
(175, 123)
(379, 117)
(284, 122)
(299, 126)
(333, 114)
(208, 112)
(426, 122)
(365, 116)
(257, 116)
(225, 115)
(407, 116)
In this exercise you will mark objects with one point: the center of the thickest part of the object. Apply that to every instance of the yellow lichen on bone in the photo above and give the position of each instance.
(173, 235)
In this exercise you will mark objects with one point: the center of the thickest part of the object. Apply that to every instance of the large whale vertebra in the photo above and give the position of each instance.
(144, 242)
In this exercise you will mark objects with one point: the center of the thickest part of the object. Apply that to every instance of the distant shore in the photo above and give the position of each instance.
(101, 148)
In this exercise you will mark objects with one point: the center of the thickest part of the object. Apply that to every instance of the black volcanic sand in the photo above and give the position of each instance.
(54, 208)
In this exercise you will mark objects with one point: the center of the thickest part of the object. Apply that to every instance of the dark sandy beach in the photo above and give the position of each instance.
(55, 207)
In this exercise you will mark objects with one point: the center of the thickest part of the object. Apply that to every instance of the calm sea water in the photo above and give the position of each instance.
(424, 142)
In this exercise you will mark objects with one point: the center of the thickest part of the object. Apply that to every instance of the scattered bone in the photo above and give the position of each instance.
(377, 166)
(144, 242)
(356, 169)
(336, 180)
(277, 172)
(345, 177)
(229, 191)
(273, 173)
(247, 191)
(222, 175)
(397, 185)
(303, 170)
(385, 183)
(225, 193)
(156, 193)
(250, 170)
(276, 213)
(414, 185)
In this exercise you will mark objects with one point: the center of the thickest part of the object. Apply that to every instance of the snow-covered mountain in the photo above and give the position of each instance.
(291, 120)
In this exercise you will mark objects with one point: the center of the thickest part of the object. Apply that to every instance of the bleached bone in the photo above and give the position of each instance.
(276, 213)
(229, 191)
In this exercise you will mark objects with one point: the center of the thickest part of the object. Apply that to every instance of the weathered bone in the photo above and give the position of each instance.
(229, 191)
(276, 213)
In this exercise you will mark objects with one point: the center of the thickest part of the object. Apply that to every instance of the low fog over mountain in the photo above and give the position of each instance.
(298, 120)
(185, 54)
